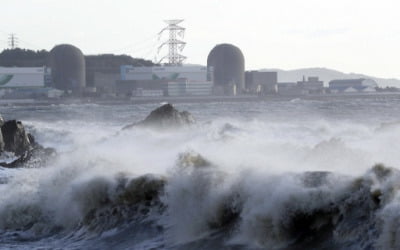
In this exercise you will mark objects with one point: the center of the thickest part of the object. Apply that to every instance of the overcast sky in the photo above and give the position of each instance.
(361, 36)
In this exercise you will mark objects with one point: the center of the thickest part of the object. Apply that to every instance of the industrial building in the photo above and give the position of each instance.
(261, 82)
(105, 83)
(290, 89)
(227, 64)
(352, 85)
(23, 77)
(26, 82)
(169, 80)
(192, 73)
(312, 85)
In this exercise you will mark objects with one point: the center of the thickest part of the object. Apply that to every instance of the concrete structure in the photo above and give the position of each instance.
(129, 88)
(105, 83)
(147, 92)
(23, 77)
(26, 83)
(227, 63)
(171, 80)
(189, 88)
(176, 88)
(199, 88)
(352, 85)
(261, 82)
(312, 85)
(192, 73)
(68, 68)
(30, 93)
(290, 89)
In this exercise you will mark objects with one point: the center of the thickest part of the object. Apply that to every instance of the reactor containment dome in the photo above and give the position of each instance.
(227, 63)
(68, 68)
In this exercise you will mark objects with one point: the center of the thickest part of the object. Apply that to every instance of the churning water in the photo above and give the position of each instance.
(281, 174)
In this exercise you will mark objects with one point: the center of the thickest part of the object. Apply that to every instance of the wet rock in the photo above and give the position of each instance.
(15, 138)
(315, 178)
(165, 116)
(143, 189)
(192, 159)
(1, 143)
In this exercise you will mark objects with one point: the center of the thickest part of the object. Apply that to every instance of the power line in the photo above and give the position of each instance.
(30, 44)
(135, 44)
(12, 41)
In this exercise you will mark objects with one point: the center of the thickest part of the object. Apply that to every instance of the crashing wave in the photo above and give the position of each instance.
(197, 205)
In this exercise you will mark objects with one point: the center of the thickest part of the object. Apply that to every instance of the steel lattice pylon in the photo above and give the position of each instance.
(174, 44)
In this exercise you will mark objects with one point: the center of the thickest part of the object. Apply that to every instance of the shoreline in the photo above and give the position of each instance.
(182, 99)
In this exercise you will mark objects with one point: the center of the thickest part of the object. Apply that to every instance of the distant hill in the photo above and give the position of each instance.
(327, 75)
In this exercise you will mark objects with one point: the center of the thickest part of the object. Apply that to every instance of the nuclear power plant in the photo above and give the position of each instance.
(66, 71)
(69, 73)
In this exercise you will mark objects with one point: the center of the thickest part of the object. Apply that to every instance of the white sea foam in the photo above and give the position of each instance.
(252, 177)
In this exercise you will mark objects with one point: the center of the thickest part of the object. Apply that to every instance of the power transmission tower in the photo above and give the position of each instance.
(174, 44)
(12, 41)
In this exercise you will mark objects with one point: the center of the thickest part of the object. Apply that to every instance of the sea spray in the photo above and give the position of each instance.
(285, 175)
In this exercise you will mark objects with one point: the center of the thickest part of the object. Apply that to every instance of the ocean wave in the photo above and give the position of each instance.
(196, 203)
(259, 183)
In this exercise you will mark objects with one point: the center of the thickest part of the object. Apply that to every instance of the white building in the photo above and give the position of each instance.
(312, 85)
(176, 80)
(189, 88)
(352, 85)
(192, 73)
(22, 77)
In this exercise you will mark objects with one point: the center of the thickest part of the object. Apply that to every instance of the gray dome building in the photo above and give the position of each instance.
(227, 63)
(68, 68)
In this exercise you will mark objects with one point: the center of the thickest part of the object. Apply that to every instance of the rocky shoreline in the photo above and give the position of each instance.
(23, 149)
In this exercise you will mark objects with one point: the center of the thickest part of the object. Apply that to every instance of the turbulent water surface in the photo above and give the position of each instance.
(279, 174)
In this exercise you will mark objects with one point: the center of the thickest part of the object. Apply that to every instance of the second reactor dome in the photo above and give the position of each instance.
(68, 67)
(227, 62)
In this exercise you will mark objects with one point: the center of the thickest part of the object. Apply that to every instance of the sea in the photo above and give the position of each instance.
(278, 173)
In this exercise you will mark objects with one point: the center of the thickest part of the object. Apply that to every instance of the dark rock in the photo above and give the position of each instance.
(165, 116)
(1, 135)
(15, 138)
(23, 145)
(1, 143)
(315, 179)
(36, 157)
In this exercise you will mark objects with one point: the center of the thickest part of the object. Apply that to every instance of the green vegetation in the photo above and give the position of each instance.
(109, 63)
(103, 63)
(23, 58)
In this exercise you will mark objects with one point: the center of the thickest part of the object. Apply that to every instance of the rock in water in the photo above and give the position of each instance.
(1, 143)
(166, 116)
(1, 135)
(15, 138)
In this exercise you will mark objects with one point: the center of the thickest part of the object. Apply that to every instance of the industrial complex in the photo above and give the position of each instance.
(65, 74)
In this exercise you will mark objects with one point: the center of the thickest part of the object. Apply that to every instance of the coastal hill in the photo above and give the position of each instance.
(327, 75)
